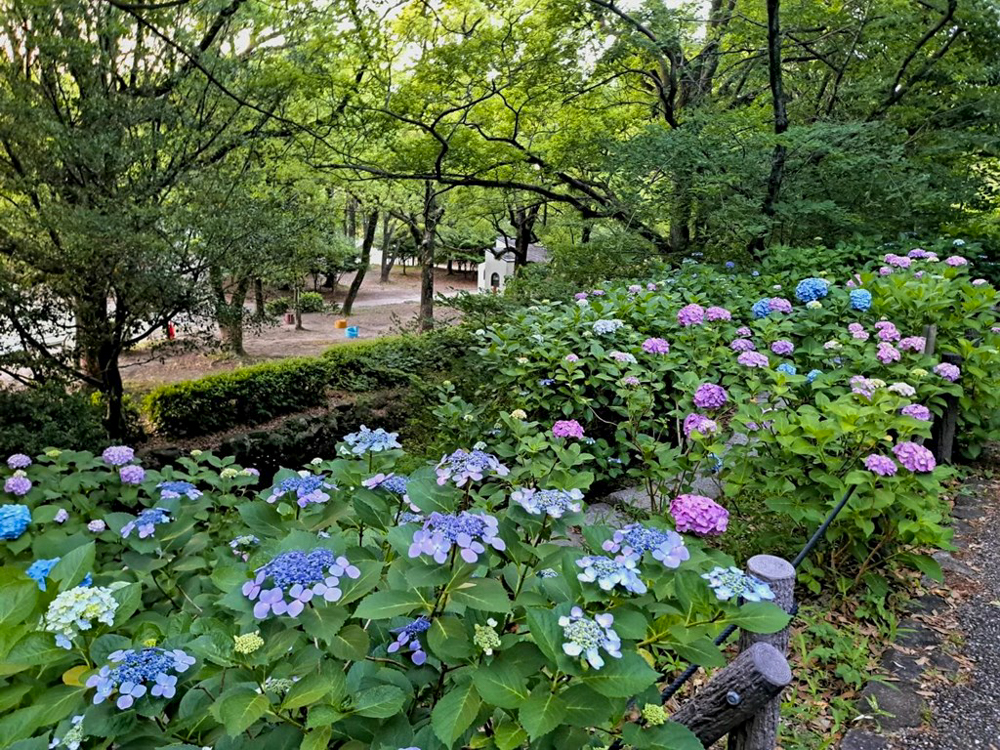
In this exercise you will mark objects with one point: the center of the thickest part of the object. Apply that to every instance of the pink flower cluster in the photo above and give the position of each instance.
(698, 423)
(567, 428)
(881, 465)
(718, 313)
(955, 261)
(899, 261)
(913, 344)
(699, 514)
(782, 347)
(887, 331)
(744, 331)
(780, 304)
(948, 371)
(914, 457)
(858, 331)
(691, 315)
(710, 396)
(753, 359)
(656, 346)
(742, 345)
(887, 353)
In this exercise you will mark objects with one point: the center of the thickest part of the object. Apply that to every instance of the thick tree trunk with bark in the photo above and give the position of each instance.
(523, 220)
(425, 238)
(258, 295)
(371, 222)
(100, 350)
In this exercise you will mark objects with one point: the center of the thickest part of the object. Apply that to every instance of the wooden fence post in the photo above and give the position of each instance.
(930, 338)
(760, 731)
(946, 427)
(735, 693)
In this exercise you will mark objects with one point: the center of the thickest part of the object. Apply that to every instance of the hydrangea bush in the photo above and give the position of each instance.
(197, 608)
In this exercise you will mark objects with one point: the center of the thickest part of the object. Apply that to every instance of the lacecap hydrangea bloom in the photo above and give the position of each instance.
(861, 299)
(76, 609)
(691, 315)
(948, 371)
(699, 423)
(308, 489)
(634, 540)
(463, 466)
(699, 514)
(131, 673)
(146, 522)
(710, 396)
(14, 520)
(18, 485)
(178, 489)
(552, 503)
(713, 314)
(917, 411)
(118, 455)
(729, 583)
(587, 637)
(409, 635)
(604, 327)
(467, 532)
(247, 643)
(883, 466)
(371, 441)
(242, 545)
(752, 359)
(914, 457)
(812, 288)
(300, 576)
(656, 346)
(18, 461)
(132, 474)
(608, 573)
(742, 345)
(486, 637)
(392, 482)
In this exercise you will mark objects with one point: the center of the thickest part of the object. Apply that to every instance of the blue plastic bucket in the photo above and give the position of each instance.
(352, 332)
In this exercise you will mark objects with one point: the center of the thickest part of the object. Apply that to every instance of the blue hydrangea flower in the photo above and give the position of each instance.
(717, 463)
(394, 483)
(586, 637)
(131, 673)
(407, 517)
(761, 308)
(409, 635)
(463, 466)
(811, 289)
(14, 520)
(861, 299)
(467, 532)
(728, 583)
(547, 573)
(371, 441)
(307, 488)
(554, 503)
(813, 374)
(546, 382)
(146, 522)
(608, 573)
(663, 544)
(604, 327)
(301, 576)
(786, 367)
(40, 569)
(173, 490)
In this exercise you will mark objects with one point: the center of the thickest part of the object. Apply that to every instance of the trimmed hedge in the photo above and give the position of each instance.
(255, 394)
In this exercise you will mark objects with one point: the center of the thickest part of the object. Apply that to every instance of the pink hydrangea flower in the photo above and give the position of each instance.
(699, 423)
(742, 345)
(917, 411)
(744, 331)
(691, 315)
(917, 252)
(635, 288)
(718, 313)
(955, 261)
(887, 331)
(656, 346)
(581, 295)
(899, 261)
(572, 358)
(780, 304)
(912, 344)
(884, 271)
(710, 396)
(914, 457)
(979, 282)
(567, 428)
(752, 359)
(858, 331)
(887, 353)
(918, 274)
(782, 347)
(948, 371)
(881, 465)
(651, 287)
(699, 514)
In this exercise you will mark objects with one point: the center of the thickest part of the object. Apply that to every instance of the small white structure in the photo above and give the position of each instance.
(498, 265)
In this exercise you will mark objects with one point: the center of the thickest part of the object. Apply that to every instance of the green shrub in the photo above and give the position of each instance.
(33, 419)
(278, 306)
(311, 302)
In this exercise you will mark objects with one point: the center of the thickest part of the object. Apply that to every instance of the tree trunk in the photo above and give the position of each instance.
(388, 257)
(523, 220)
(351, 218)
(779, 154)
(113, 390)
(231, 320)
(366, 256)
(298, 309)
(425, 238)
(258, 293)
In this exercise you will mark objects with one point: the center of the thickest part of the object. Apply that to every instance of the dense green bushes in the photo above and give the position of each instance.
(255, 394)
(33, 419)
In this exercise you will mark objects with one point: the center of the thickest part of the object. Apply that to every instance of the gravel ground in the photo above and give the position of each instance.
(967, 715)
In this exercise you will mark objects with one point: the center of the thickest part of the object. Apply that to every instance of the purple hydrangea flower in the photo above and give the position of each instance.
(858, 331)
(885, 271)
(948, 371)
(571, 358)
(300, 576)
(713, 314)
(97, 526)
(782, 347)
(18, 485)
(608, 573)
(899, 261)
(887, 353)
(887, 331)
(744, 331)
(580, 295)
(699, 514)
(917, 411)
(862, 386)
(634, 540)
(14, 520)
(691, 315)
(656, 346)
(918, 252)
(695, 422)
(62, 516)
(554, 503)
(728, 583)
(567, 428)
(146, 522)
(409, 635)
(118, 455)
(914, 457)
(955, 261)
(308, 489)
(132, 474)
(881, 465)
(132, 672)
(630, 380)
(742, 345)
(913, 344)
(623, 357)
(752, 359)
(586, 637)
(467, 532)
(464, 466)
(18, 461)
(635, 288)
(779, 304)
(174, 490)
(710, 396)
(366, 440)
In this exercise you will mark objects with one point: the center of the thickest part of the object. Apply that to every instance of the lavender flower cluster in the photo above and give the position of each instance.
(698, 423)
(467, 532)
(710, 396)
(463, 466)
(728, 583)
(178, 489)
(608, 573)
(552, 503)
(409, 635)
(699, 514)
(307, 488)
(131, 673)
(366, 440)
(635, 540)
(146, 522)
(300, 576)
(586, 637)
